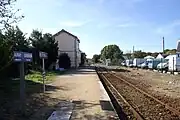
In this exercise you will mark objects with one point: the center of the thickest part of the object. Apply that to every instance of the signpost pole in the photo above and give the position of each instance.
(44, 87)
(22, 84)
(22, 57)
(43, 56)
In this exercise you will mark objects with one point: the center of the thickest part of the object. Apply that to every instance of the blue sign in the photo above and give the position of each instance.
(43, 55)
(22, 56)
(27, 57)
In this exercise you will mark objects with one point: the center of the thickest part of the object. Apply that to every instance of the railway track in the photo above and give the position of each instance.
(136, 103)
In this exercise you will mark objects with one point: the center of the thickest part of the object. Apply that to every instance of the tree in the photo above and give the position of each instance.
(8, 13)
(139, 54)
(64, 61)
(155, 54)
(45, 43)
(37, 42)
(168, 51)
(128, 55)
(96, 58)
(112, 52)
(51, 47)
(83, 59)
(5, 53)
(16, 38)
(12, 40)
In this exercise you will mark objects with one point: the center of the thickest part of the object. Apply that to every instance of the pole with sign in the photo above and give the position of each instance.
(43, 56)
(22, 57)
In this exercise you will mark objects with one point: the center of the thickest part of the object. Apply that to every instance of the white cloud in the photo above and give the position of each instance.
(125, 25)
(168, 29)
(73, 23)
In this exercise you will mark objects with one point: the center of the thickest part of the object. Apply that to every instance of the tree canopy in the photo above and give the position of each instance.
(45, 43)
(170, 51)
(96, 58)
(13, 39)
(112, 52)
(83, 59)
(8, 14)
(64, 61)
(139, 54)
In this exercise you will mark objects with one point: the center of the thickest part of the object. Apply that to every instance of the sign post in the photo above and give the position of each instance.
(22, 82)
(43, 56)
(22, 57)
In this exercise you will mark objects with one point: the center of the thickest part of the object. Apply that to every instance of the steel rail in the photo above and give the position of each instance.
(135, 113)
(150, 96)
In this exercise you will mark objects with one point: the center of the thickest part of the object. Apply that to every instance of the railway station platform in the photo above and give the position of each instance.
(83, 97)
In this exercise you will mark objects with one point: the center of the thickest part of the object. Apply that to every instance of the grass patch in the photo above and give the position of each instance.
(36, 76)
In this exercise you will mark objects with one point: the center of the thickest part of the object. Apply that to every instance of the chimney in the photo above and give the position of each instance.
(178, 47)
(163, 45)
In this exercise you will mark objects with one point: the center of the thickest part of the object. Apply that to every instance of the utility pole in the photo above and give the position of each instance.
(163, 45)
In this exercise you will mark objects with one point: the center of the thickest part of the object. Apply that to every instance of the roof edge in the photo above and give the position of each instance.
(67, 33)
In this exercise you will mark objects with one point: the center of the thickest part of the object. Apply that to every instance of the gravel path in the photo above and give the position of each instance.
(83, 89)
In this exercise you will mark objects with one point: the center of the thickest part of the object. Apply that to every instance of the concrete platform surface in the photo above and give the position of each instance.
(87, 97)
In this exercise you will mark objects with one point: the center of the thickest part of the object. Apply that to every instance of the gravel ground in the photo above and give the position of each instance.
(150, 109)
(163, 86)
(82, 88)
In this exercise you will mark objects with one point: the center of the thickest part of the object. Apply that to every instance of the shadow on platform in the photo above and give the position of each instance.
(81, 106)
(81, 70)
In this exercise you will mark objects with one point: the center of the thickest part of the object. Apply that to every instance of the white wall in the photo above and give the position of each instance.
(66, 45)
(159, 56)
(65, 42)
(78, 53)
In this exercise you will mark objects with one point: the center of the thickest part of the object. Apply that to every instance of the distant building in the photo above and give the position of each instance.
(149, 57)
(69, 43)
(160, 56)
(178, 47)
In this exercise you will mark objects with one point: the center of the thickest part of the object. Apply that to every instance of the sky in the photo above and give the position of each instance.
(97, 23)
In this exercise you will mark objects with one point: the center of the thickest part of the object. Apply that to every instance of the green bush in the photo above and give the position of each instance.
(64, 61)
